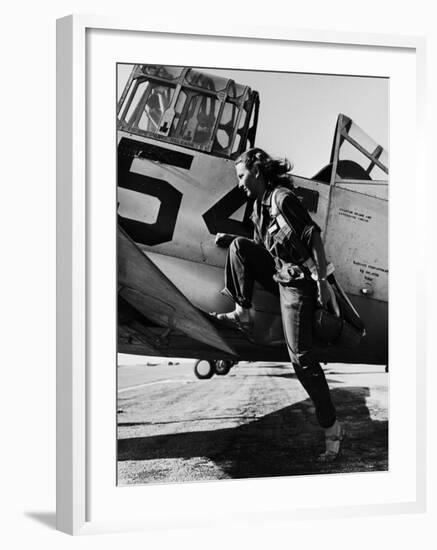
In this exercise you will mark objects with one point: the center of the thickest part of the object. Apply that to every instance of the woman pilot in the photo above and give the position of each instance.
(283, 233)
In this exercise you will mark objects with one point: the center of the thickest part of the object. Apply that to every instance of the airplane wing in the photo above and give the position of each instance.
(137, 335)
(154, 299)
(155, 318)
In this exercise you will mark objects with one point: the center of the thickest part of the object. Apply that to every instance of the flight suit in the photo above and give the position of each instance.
(274, 259)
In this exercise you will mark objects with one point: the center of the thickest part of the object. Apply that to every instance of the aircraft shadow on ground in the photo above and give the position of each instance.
(285, 442)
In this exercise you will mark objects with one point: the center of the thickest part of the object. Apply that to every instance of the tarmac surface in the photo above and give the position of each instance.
(257, 421)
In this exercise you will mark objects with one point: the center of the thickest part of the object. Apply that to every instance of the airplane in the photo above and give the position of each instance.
(179, 131)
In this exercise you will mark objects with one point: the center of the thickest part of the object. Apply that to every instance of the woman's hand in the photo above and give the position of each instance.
(224, 240)
(324, 293)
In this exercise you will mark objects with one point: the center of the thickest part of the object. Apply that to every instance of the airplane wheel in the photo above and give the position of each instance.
(204, 369)
(222, 367)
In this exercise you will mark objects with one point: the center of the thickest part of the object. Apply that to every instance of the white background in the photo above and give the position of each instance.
(28, 278)
(271, 497)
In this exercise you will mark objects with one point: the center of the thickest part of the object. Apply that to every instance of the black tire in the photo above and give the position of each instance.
(204, 369)
(222, 367)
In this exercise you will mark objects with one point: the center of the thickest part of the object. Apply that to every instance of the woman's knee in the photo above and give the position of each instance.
(296, 359)
(305, 365)
(241, 246)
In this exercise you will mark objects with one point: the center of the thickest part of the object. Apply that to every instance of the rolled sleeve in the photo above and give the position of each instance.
(307, 234)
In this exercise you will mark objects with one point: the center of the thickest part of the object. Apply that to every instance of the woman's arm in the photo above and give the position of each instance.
(318, 253)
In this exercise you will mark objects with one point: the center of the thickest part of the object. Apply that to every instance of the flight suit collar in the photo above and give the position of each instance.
(266, 199)
(258, 214)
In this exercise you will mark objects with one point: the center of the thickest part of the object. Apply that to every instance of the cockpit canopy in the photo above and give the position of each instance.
(357, 161)
(184, 106)
(355, 155)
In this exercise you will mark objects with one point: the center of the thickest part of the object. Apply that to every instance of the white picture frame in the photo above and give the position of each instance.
(75, 344)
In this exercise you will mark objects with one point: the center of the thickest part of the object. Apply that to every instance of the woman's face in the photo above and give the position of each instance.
(250, 180)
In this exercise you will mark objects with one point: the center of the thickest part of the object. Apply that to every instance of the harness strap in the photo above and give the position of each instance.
(282, 223)
(297, 243)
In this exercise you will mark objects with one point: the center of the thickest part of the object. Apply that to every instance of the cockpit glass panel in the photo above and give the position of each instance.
(158, 99)
(235, 90)
(226, 127)
(138, 95)
(359, 149)
(377, 174)
(200, 119)
(180, 103)
(206, 81)
(171, 73)
(239, 133)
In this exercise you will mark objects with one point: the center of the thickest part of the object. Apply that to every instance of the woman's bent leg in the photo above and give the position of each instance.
(246, 263)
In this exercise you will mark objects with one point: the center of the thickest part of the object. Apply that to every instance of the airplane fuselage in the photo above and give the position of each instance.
(175, 196)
